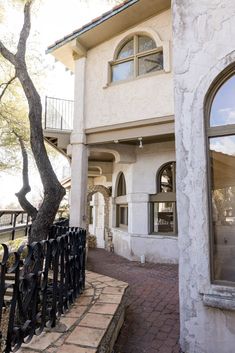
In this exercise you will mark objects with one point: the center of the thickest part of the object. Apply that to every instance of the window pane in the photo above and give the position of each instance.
(167, 179)
(145, 43)
(223, 106)
(122, 71)
(123, 215)
(91, 215)
(126, 50)
(150, 63)
(222, 159)
(163, 217)
(121, 190)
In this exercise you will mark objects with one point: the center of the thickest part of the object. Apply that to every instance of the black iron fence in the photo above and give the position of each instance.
(58, 114)
(38, 283)
(12, 221)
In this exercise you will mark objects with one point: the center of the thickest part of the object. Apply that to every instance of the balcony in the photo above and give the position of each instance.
(58, 122)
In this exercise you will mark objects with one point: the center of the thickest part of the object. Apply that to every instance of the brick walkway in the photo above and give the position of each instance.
(152, 317)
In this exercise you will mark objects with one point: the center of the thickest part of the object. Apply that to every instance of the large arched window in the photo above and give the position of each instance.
(220, 131)
(163, 203)
(138, 56)
(121, 202)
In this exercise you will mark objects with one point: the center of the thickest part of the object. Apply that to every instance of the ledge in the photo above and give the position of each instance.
(92, 324)
(219, 302)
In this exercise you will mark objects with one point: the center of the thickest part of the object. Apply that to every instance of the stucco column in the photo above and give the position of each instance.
(138, 204)
(79, 169)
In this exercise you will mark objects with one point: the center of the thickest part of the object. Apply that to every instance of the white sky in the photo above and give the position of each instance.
(52, 19)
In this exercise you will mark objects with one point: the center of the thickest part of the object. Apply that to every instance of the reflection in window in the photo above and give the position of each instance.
(126, 50)
(150, 63)
(164, 217)
(222, 158)
(223, 107)
(163, 204)
(123, 71)
(145, 43)
(221, 168)
(138, 56)
(166, 178)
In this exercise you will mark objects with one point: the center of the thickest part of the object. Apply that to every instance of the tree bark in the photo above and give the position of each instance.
(21, 195)
(53, 190)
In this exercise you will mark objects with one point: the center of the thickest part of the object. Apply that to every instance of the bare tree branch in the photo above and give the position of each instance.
(24, 34)
(53, 190)
(21, 195)
(7, 84)
(7, 54)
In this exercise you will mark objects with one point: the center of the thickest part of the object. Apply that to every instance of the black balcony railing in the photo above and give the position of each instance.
(58, 114)
(38, 283)
(13, 221)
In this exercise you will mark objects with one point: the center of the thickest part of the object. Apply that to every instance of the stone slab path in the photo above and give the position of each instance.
(152, 315)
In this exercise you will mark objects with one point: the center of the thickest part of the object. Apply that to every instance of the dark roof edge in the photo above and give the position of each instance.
(104, 17)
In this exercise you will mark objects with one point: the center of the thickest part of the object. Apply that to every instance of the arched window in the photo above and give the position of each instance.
(163, 204)
(139, 55)
(121, 202)
(121, 189)
(220, 132)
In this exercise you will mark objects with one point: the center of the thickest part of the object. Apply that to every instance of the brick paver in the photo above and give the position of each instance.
(152, 317)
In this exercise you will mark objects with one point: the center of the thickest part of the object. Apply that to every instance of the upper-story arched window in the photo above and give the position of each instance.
(163, 203)
(139, 55)
(220, 131)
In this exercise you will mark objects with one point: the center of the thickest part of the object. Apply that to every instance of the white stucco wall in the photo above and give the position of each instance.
(141, 98)
(203, 36)
(140, 183)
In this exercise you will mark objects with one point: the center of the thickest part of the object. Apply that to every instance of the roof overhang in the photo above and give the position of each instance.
(111, 23)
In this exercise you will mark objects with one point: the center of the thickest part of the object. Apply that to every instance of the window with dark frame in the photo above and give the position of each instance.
(163, 204)
(91, 214)
(138, 56)
(220, 133)
(122, 206)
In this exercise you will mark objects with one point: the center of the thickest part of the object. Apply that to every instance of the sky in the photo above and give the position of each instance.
(223, 113)
(51, 20)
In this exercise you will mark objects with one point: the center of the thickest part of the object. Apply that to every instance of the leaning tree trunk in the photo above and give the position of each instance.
(53, 191)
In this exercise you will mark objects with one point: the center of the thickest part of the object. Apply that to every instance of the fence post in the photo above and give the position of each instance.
(15, 215)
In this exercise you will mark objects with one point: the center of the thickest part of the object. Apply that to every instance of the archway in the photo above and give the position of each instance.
(105, 192)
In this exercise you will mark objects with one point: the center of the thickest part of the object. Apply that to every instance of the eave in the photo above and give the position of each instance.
(103, 28)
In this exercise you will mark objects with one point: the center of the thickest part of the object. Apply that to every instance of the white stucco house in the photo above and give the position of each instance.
(152, 148)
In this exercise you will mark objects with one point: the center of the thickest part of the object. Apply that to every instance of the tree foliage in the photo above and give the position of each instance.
(53, 191)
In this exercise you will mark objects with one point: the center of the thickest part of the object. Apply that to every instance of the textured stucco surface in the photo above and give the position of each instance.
(203, 45)
(133, 100)
(140, 183)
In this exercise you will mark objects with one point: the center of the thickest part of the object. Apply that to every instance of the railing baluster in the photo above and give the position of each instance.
(46, 279)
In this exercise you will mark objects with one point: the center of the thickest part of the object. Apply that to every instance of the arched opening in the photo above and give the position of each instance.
(98, 214)
(220, 134)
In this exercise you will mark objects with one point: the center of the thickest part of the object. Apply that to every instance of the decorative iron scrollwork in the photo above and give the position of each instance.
(38, 283)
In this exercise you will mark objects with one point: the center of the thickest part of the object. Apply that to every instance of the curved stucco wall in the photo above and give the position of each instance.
(142, 98)
(140, 183)
(204, 35)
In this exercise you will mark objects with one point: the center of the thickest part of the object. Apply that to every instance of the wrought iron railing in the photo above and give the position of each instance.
(38, 283)
(12, 221)
(58, 114)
